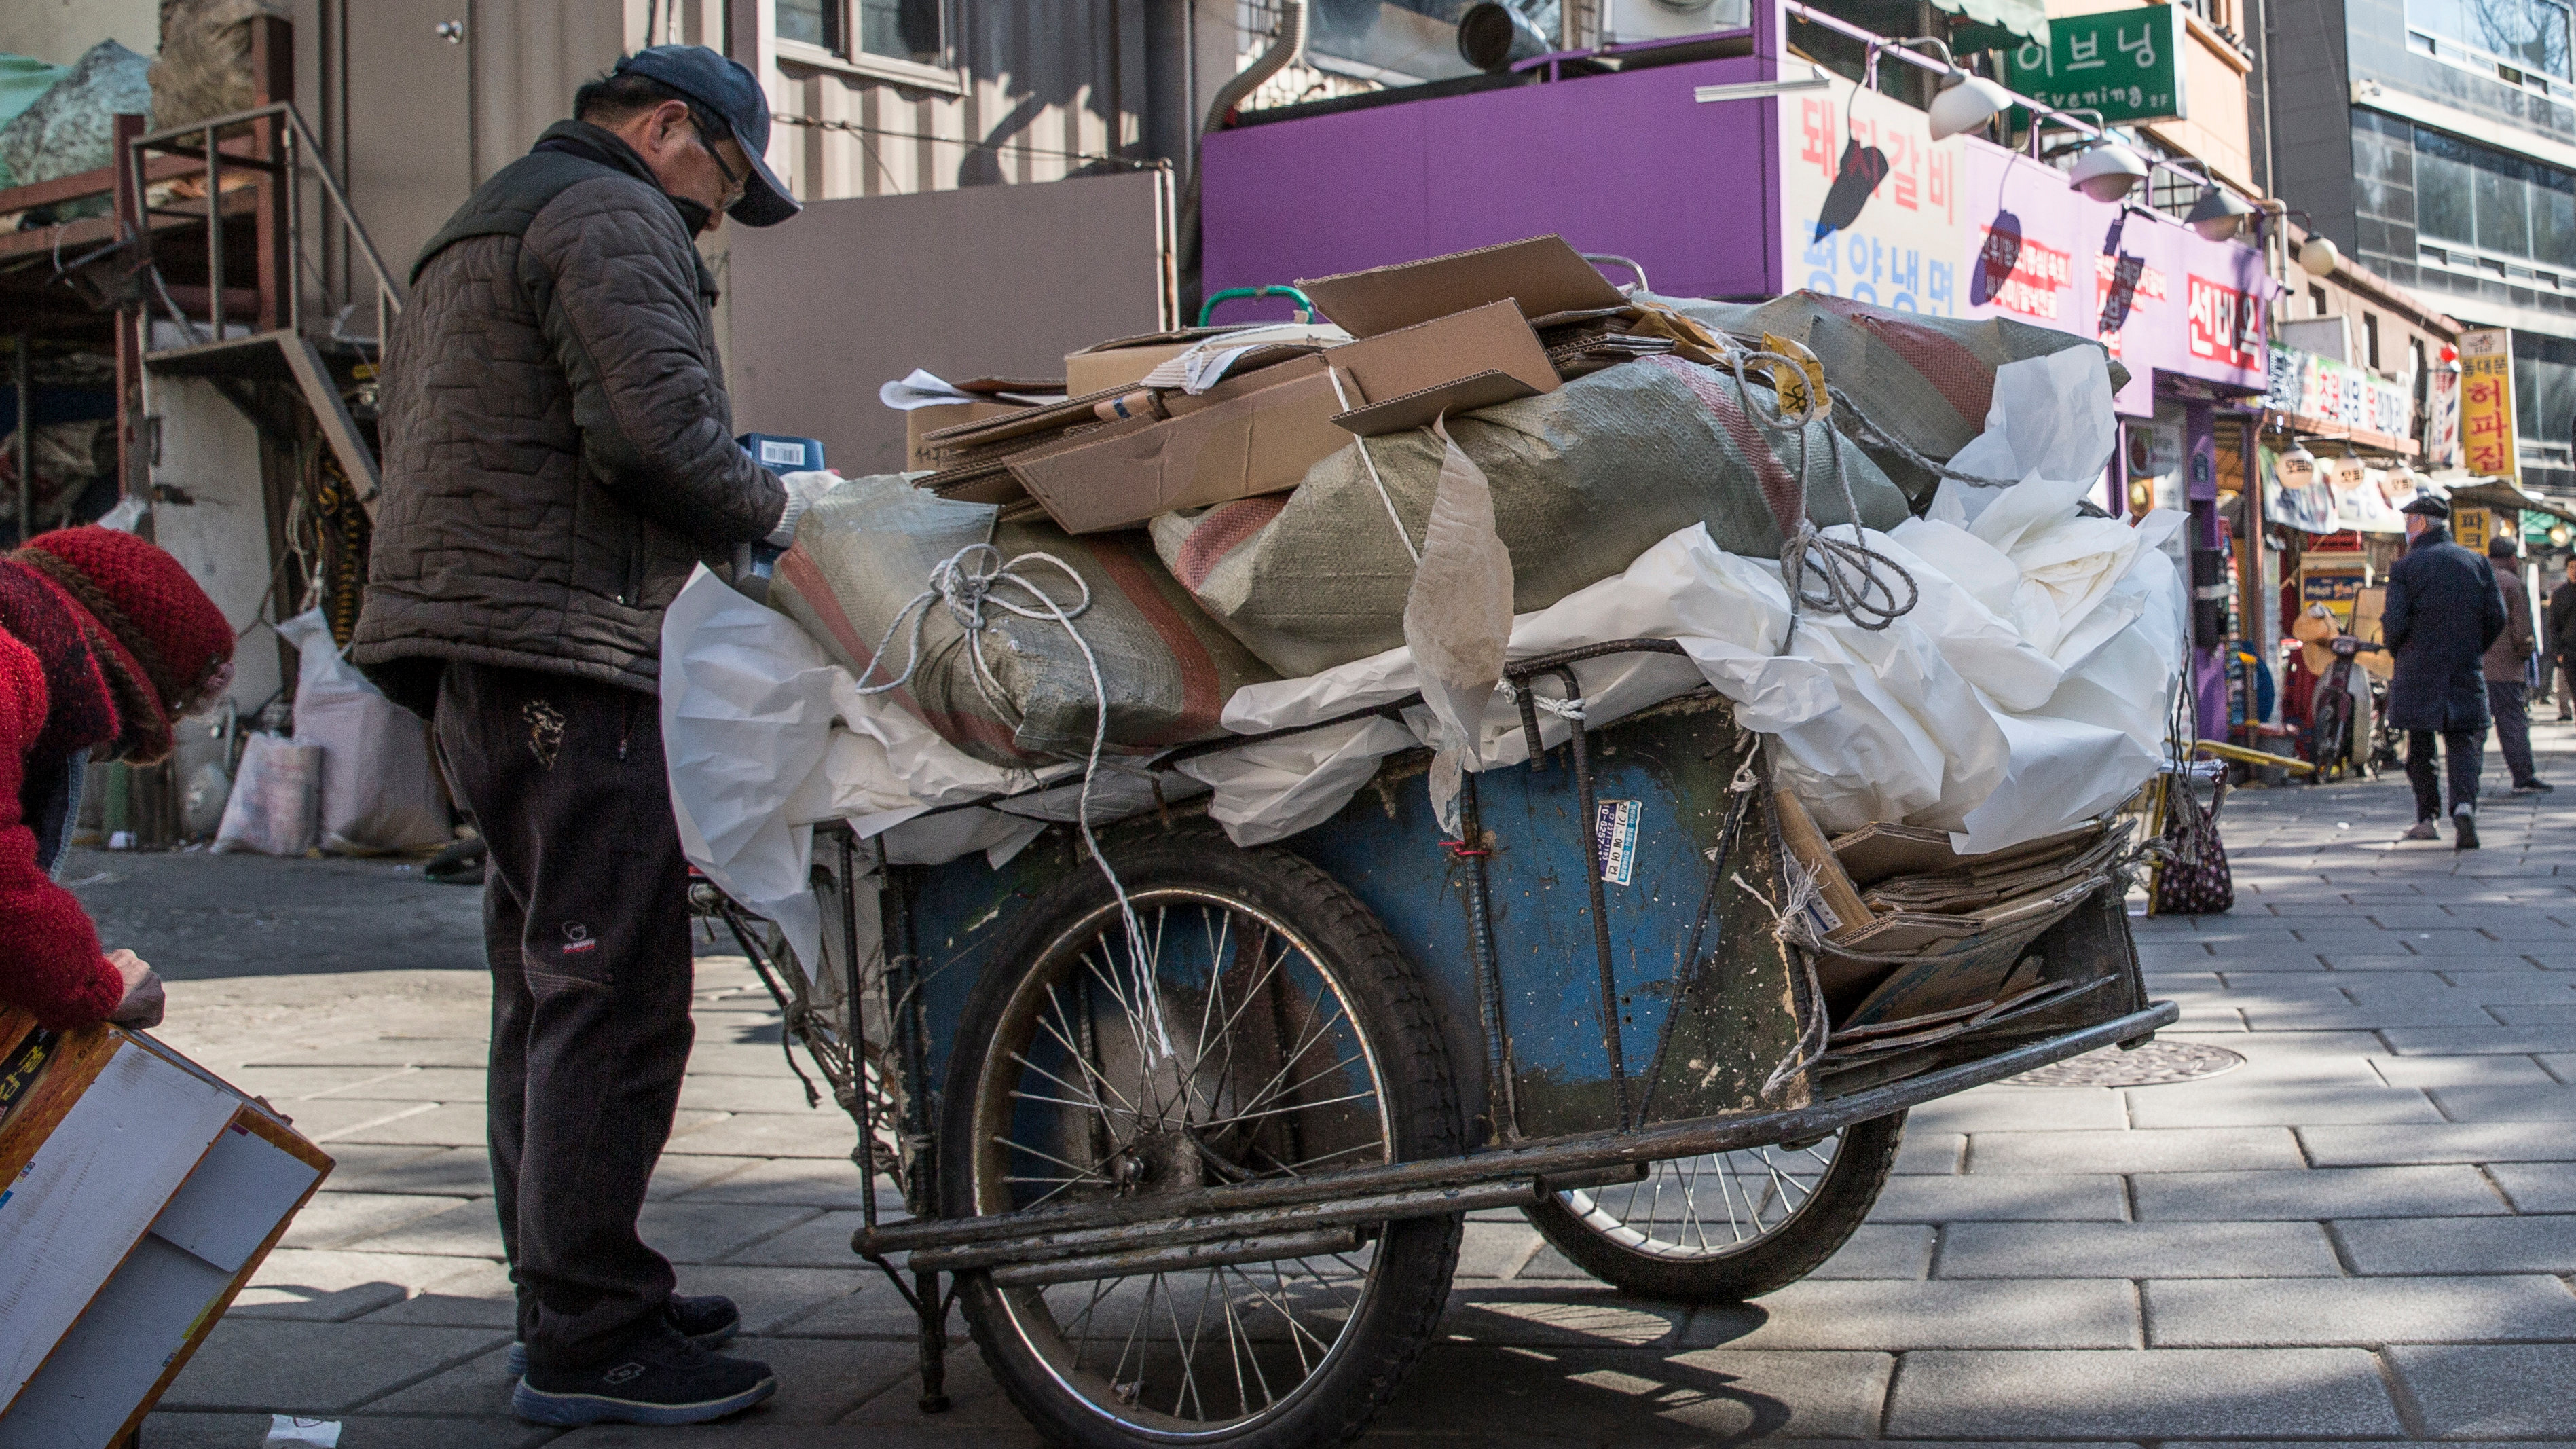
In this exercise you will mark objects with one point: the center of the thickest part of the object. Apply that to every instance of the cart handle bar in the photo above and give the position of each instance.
(1034, 1231)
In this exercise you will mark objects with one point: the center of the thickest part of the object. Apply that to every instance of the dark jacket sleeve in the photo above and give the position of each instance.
(2397, 612)
(2562, 616)
(624, 317)
(2491, 620)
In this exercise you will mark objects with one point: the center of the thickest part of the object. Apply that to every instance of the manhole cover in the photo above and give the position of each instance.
(2155, 1063)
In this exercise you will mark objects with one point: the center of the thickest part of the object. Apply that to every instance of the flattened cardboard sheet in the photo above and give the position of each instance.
(1541, 274)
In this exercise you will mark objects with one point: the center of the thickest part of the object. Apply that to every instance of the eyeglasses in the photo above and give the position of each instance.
(734, 184)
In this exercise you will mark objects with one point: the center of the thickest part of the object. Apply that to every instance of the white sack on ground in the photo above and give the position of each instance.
(380, 790)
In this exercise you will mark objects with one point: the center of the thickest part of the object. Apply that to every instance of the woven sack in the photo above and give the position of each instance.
(1925, 382)
(1584, 479)
(866, 550)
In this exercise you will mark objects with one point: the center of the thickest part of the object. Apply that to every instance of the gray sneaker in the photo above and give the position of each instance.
(2422, 830)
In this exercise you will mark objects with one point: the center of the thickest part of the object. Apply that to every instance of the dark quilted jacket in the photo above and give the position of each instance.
(558, 450)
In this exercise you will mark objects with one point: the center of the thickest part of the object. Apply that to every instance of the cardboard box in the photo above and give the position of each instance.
(1124, 361)
(141, 1193)
(1239, 445)
(920, 422)
(1454, 364)
(1542, 275)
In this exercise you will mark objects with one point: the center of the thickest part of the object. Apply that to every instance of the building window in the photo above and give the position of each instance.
(2370, 340)
(2528, 35)
(2544, 388)
(2316, 301)
(912, 30)
(2501, 204)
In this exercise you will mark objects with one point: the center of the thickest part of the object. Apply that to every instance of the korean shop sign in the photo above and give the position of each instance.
(1901, 248)
(2486, 404)
(2127, 64)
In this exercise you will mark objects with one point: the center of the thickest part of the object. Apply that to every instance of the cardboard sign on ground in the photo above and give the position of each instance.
(141, 1192)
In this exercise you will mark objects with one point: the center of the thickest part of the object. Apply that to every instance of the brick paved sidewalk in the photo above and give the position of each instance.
(2366, 1233)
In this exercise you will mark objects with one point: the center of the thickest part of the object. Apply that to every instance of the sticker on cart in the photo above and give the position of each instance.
(1614, 838)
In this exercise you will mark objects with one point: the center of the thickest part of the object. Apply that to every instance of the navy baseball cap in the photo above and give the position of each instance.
(725, 88)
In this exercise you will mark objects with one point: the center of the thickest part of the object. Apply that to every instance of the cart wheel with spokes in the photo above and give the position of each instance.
(1259, 1024)
(1726, 1226)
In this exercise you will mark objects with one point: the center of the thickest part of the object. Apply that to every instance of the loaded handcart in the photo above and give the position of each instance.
(1204, 1177)
(1790, 793)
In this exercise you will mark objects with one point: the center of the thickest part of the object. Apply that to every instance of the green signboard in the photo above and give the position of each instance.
(2127, 64)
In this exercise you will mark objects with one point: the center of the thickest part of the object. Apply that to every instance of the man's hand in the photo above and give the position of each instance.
(803, 491)
(144, 999)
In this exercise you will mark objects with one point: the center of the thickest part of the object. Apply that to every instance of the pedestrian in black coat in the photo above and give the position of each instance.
(2443, 610)
(2562, 640)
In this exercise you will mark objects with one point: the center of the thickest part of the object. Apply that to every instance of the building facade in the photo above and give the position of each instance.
(2435, 142)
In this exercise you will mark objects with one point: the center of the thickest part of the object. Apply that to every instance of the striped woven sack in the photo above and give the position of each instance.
(866, 551)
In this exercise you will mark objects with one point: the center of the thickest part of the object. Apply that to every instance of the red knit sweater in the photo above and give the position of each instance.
(50, 962)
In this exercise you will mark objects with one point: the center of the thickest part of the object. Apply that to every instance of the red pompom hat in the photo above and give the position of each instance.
(158, 628)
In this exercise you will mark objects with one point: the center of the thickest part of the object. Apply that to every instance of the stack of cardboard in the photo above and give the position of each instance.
(1202, 416)
(1943, 944)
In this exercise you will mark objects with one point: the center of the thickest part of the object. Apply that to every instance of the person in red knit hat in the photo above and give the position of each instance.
(105, 643)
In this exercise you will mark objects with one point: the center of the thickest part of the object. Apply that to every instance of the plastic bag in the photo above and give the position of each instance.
(276, 802)
(379, 789)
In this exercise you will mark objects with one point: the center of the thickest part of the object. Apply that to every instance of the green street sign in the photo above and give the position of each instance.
(2127, 64)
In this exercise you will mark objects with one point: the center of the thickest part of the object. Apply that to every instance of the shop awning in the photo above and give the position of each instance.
(2496, 493)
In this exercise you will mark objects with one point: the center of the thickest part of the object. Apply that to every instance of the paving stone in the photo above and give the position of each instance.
(2429, 1072)
(2026, 1109)
(2230, 1250)
(429, 1125)
(769, 1134)
(330, 1120)
(1930, 1152)
(1547, 1265)
(2524, 985)
(476, 1294)
(2314, 1194)
(2147, 1393)
(337, 1219)
(677, 1174)
(363, 1431)
(2459, 1040)
(467, 1230)
(872, 1309)
(822, 1242)
(2507, 1104)
(795, 1182)
(2375, 1017)
(2001, 1197)
(977, 1403)
(315, 1368)
(2019, 1313)
(1642, 1396)
(416, 1084)
(2361, 1311)
(1558, 1317)
(2459, 1245)
(1881, 1250)
(2537, 1187)
(775, 1093)
(2226, 1102)
(416, 1171)
(2489, 1392)
(2199, 1149)
(1495, 1250)
(285, 1085)
(328, 1286)
(2459, 1142)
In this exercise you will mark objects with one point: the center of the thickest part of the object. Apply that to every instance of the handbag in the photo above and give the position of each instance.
(2194, 879)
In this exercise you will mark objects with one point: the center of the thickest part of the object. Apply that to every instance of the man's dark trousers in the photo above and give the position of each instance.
(585, 920)
(2509, 703)
(2463, 748)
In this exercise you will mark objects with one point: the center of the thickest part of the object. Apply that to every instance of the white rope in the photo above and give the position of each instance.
(966, 584)
(1401, 535)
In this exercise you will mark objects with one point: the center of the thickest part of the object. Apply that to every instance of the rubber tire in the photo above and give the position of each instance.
(1417, 1257)
(1818, 1230)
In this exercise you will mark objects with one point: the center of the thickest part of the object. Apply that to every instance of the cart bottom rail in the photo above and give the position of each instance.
(1506, 1175)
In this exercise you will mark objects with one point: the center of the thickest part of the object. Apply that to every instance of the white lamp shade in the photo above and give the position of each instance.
(2219, 214)
(2108, 171)
(2319, 257)
(1967, 103)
